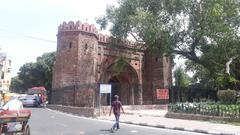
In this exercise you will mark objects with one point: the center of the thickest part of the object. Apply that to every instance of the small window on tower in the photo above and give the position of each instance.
(90, 28)
(70, 45)
(156, 59)
(9, 70)
(86, 46)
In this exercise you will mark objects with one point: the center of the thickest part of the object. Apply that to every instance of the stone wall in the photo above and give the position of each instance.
(79, 95)
(105, 109)
(93, 112)
(80, 111)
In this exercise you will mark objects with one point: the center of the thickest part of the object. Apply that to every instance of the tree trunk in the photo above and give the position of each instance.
(228, 64)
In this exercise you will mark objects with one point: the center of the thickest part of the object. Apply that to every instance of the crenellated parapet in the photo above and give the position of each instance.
(84, 27)
(90, 28)
(103, 38)
(78, 26)
(128, 44)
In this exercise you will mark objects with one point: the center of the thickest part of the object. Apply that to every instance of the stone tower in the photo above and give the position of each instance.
(157, 75)
(75, 67)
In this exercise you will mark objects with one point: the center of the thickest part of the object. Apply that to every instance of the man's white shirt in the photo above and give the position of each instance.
(13, 105)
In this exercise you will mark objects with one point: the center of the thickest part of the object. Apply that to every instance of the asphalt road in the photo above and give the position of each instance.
(48, 122)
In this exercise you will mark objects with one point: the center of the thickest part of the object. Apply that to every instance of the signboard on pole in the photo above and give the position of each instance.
(162, 93)
(105, 88)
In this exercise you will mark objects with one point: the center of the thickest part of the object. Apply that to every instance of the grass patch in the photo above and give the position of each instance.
(234, 123)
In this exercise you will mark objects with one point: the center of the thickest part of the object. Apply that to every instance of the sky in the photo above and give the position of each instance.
(28, 28)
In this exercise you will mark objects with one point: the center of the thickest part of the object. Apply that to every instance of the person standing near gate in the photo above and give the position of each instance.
(116, 106)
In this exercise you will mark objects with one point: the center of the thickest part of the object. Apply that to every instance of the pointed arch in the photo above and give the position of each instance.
(124, 83)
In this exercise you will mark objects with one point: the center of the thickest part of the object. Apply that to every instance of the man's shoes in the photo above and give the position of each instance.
(112, 130)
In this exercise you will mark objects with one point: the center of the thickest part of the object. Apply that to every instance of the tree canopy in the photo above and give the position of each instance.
(181, 83)
(35, 74)
(182, 80)
(206, 32)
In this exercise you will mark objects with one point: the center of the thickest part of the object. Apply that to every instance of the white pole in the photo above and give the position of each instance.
(110, 95)
(110, 98)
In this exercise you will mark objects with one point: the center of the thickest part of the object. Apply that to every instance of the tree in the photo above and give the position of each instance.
(205, 32)
(16, 85)
(35, 74)
(182, 81)
(45, 63)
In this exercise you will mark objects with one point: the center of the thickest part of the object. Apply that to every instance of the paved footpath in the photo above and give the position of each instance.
(155, 118)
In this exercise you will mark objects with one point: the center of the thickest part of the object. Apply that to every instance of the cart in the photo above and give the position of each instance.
(41, 92)
(14, 122)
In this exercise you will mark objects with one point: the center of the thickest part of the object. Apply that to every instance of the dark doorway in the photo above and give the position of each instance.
(116, 86)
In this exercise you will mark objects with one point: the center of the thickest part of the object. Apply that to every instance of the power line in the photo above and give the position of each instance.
(50, 41)
(27, 36)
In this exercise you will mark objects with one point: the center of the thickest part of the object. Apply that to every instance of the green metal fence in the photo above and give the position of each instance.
(232, 111)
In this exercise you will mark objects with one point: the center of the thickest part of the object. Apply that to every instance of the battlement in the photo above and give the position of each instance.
(78, 26)
(84, 27)
(90, 28)
(103, 38)
(128, 44)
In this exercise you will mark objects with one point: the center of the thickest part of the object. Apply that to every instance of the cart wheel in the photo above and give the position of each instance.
(26, 130)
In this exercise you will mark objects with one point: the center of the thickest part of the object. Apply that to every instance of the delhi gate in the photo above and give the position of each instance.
(85, 59)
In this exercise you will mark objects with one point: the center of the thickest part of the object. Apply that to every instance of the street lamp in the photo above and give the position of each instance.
(1, 66)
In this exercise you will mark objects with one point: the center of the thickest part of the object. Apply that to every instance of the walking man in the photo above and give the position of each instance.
(116, 105)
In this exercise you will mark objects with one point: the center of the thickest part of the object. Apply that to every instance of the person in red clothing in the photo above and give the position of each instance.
(116, 106)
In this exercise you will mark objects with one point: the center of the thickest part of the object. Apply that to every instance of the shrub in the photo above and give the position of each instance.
(227, 96)
(238, 101)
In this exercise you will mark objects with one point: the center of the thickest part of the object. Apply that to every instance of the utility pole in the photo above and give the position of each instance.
(74, 94)
(74, 85)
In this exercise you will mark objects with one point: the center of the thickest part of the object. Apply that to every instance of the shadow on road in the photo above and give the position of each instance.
(105, 130)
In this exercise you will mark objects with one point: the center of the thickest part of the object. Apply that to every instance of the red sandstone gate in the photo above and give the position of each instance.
(85, 59)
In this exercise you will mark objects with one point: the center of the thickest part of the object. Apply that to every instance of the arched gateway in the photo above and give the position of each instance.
(85, 59)
(124, 84)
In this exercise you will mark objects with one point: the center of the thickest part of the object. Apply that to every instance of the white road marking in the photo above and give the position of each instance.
(133, 131)
(81, 133)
